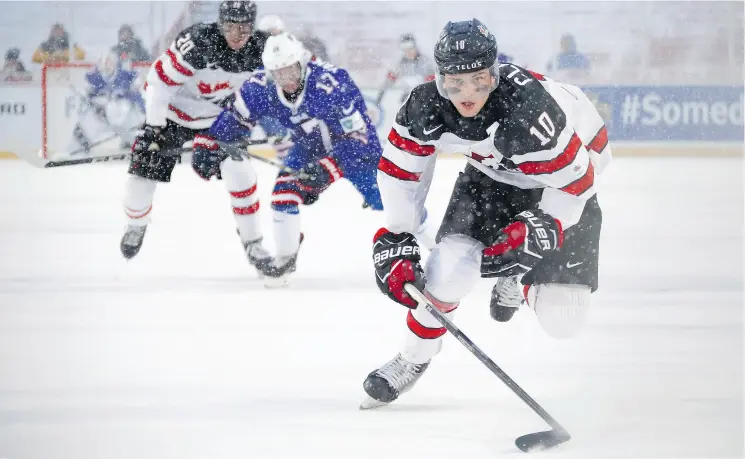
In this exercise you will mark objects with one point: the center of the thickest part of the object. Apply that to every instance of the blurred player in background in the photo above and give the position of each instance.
(333, 138)
(271, 24)
(186, 89)
(112, 104)
(412, 69)
(524, 210)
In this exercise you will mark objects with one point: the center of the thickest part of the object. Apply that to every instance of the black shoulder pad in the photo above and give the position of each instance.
(197, 42)
(533, 119)
(421, 111)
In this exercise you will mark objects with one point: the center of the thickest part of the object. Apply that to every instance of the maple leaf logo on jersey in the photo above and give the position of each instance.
(483, 30)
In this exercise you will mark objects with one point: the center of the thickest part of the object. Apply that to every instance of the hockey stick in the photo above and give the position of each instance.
(230, 148)
(536, 441)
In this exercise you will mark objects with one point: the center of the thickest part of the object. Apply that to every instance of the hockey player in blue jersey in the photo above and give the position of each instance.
(332, 134)
(113, 103)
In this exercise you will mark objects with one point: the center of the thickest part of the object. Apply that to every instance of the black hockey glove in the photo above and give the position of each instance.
(522, 244)
(207, 156)
(150, 140)
(396, 258)
(316, 177)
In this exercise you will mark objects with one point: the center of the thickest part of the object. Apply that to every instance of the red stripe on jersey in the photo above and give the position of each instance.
(246, 210)
(391, 169)
(422, 331)
(563, 160)
(292, 192)
(583, 184)
(409, 146)
(179, 68)
(600, 141)
(244, 193)
(526, 288)
(537, 75)
(184, 116)
(163, 77)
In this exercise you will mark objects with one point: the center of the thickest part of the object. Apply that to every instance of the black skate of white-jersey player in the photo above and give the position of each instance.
(523, 211)
(187, 87)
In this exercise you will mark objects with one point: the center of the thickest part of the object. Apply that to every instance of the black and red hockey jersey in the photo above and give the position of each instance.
(199, 70)
(532, 132)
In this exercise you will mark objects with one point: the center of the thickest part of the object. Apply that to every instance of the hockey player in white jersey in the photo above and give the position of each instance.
(524, 210)
(186, 89)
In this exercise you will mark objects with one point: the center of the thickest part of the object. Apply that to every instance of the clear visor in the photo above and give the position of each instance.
(288, 78)
(459, 85)
(235, 30)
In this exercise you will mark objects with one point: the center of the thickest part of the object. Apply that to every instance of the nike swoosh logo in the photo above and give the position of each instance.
(572, 265)
(426, 132)
(349, 110)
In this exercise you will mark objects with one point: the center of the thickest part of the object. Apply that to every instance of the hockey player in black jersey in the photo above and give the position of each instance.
(523, 211)
(187, 87)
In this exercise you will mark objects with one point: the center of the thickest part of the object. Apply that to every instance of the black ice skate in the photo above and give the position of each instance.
(276, 271)
(257, 255)
(506, 298)
(385, 384)
(132, 240)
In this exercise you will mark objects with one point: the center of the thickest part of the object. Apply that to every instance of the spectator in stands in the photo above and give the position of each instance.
(56, 48)
(129, 47)
(13, 62)
(569, 58)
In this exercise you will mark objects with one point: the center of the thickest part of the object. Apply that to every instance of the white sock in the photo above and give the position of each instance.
(138, 199)
(286, 233)
(240, 180)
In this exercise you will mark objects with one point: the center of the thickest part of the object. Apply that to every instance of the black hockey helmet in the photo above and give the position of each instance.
(465, 47)
(239, 11)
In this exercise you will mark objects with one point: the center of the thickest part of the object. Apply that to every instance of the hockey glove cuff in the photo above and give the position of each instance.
(207, 156)
(318, 176)
(522, 245)
(396, 257)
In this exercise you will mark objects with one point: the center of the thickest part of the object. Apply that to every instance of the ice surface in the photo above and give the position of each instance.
(181, 353)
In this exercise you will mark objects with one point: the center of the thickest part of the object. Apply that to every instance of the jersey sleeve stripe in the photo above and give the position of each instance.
(408, 145)
(582, 184)
(177, 65)
(600, 141)
(162, 75)
(387, 167)
(561, 161)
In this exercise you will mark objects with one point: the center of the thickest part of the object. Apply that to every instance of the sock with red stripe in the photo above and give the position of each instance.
(240, 180)
(138, 199)
(424, 339)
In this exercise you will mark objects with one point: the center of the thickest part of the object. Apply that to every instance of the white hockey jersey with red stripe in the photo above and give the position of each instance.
(533, 132)
(190, 83)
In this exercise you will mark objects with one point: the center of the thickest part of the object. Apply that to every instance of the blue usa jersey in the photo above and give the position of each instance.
(120, 85)
(329, 117)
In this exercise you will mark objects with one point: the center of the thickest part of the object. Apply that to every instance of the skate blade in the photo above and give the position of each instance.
(370, 403)
(276, 282)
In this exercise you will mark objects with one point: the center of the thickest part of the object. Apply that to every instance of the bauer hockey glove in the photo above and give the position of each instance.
(522, 245)
(207, 157)
(396, 258)
(151, 139)
(318, 176)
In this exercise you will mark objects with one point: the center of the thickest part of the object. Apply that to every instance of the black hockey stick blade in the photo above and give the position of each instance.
(541, 441)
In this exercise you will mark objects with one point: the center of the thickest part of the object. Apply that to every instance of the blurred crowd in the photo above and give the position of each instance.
(59, 48)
